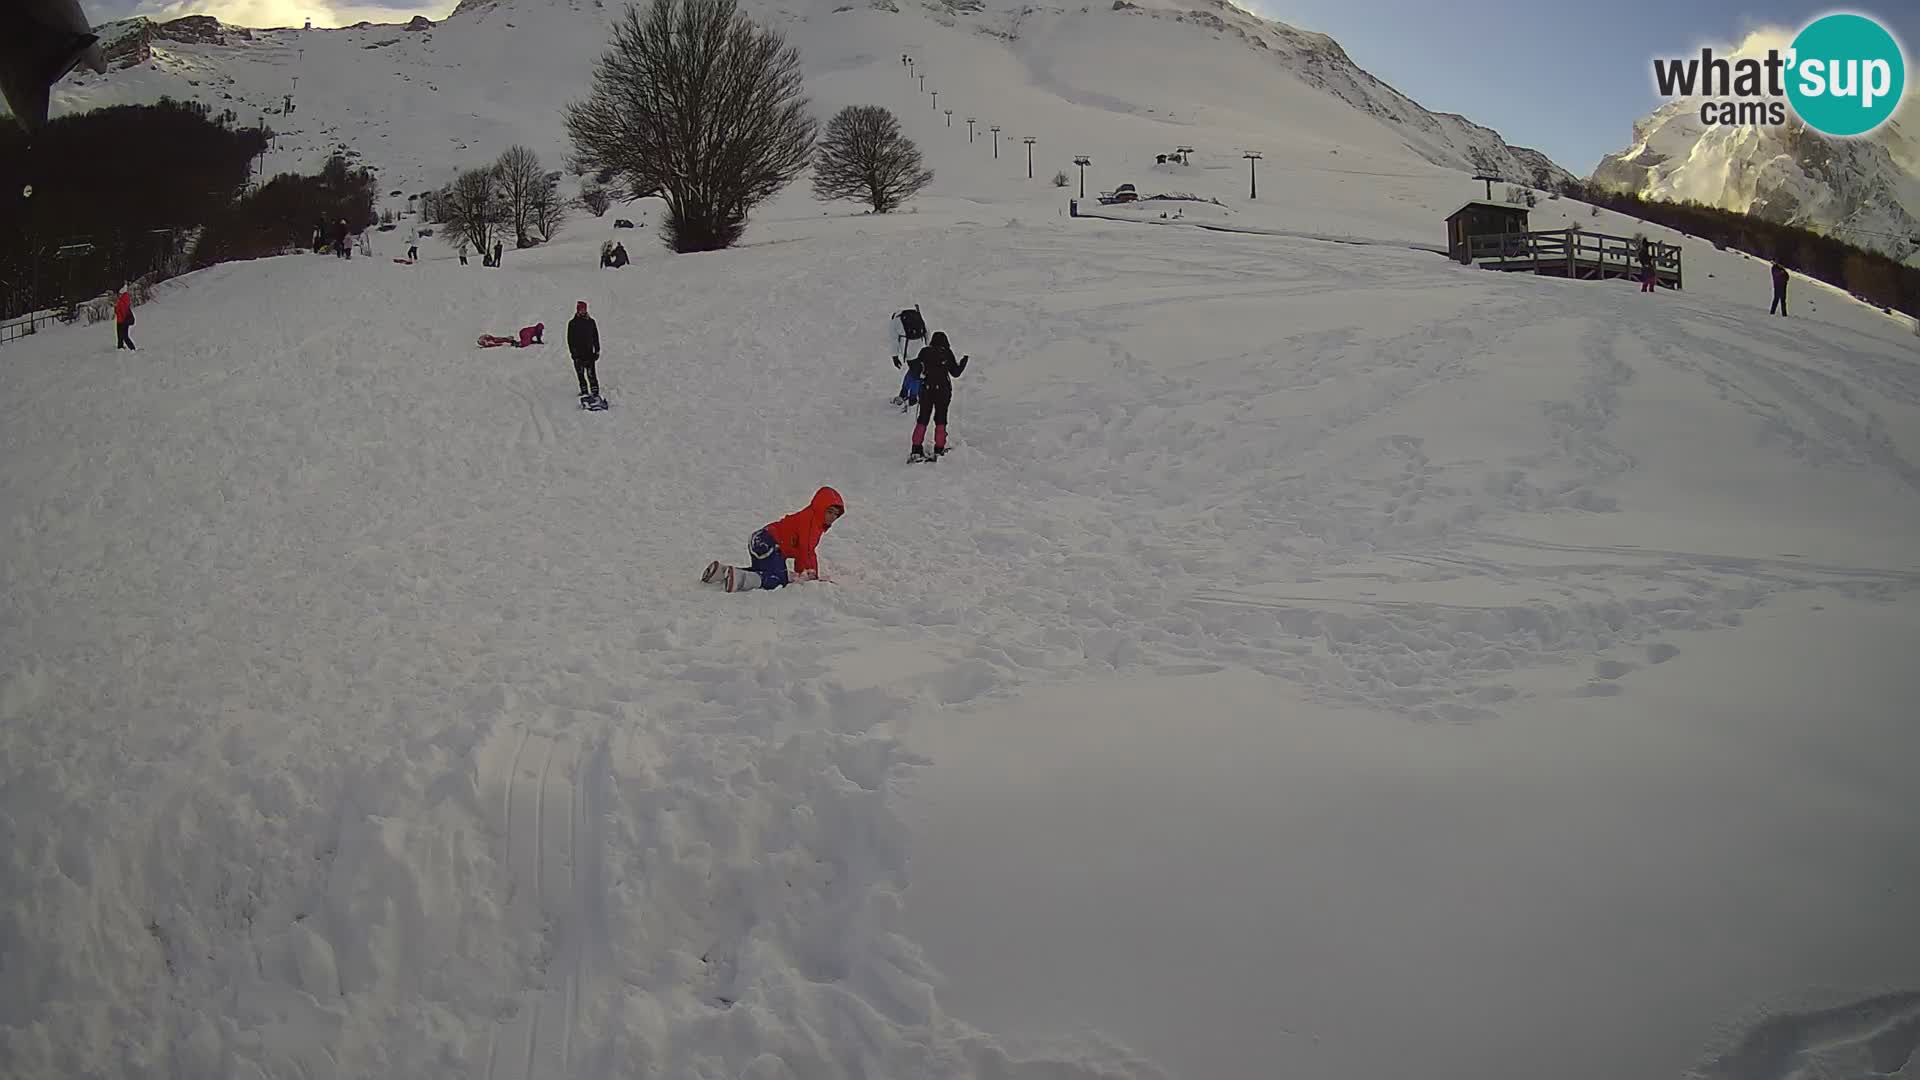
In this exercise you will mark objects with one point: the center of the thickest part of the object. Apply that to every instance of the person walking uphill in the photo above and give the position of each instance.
(1779, 289)
(583, 341)
(938, 369)
(796, 536)
(123, 319)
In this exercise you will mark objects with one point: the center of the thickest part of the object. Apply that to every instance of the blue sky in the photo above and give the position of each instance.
(1572, 82)
(1576, 76)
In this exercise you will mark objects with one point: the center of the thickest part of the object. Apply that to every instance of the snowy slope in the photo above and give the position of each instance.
(362, 715)
(1316, 659)
(418, 104)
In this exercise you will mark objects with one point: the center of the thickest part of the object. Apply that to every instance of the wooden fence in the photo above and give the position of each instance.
(1573, 253)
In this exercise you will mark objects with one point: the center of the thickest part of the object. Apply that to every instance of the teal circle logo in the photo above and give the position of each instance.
(1846, 75)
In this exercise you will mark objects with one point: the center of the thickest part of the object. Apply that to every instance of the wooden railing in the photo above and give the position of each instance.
(1572, 253)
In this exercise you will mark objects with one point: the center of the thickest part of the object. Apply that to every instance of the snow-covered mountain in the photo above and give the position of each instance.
(419, 101)
(1865, 191)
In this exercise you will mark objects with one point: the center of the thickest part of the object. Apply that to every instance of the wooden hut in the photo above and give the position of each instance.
(1481, 218)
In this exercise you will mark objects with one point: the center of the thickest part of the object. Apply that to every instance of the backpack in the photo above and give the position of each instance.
(913, 325)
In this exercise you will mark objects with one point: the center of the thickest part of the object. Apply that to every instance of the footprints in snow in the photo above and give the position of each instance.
(539, 429)
(1607, 673)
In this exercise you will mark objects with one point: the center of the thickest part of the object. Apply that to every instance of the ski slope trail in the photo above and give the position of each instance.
(364, 715)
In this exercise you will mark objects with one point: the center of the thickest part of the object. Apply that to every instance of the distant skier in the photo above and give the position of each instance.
(463, 253)
(938, 369)
(496, 253)
(340, 248)
(1646, 265)
(413, 244)
(123, 319)
(796, 536)
(583, 341)
(908, 327)
(1779, 289)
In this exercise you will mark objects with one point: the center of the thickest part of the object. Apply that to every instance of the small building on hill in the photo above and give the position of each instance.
(1481, 218)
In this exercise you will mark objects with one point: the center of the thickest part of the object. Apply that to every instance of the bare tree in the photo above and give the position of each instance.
(520, 179)
(548, 209)
(693, 101)
(864, 156)
(597, 199)
(473, 207)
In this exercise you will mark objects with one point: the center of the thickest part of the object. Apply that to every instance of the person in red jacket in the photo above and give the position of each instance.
(796, 536)
(532, 335)
(123, 318)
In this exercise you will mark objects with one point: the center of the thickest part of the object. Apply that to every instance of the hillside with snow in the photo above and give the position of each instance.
(1865, 191)
(419, 102)
(1316, 658)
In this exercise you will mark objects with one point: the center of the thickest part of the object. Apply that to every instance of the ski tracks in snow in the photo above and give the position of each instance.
(1876, 1036)
(542, 784)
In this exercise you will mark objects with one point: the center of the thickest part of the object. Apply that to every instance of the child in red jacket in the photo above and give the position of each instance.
(796, 536)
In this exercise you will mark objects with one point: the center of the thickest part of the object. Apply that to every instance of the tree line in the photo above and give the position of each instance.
(513, 196)
(694, 103)
(83, 207)
(1873, 277)
(691, 103)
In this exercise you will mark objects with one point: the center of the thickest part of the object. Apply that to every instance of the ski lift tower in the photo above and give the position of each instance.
(1491, 180)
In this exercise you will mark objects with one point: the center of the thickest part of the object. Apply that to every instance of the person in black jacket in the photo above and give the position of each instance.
(938, 369)
(1779, 289)
(583, 341)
